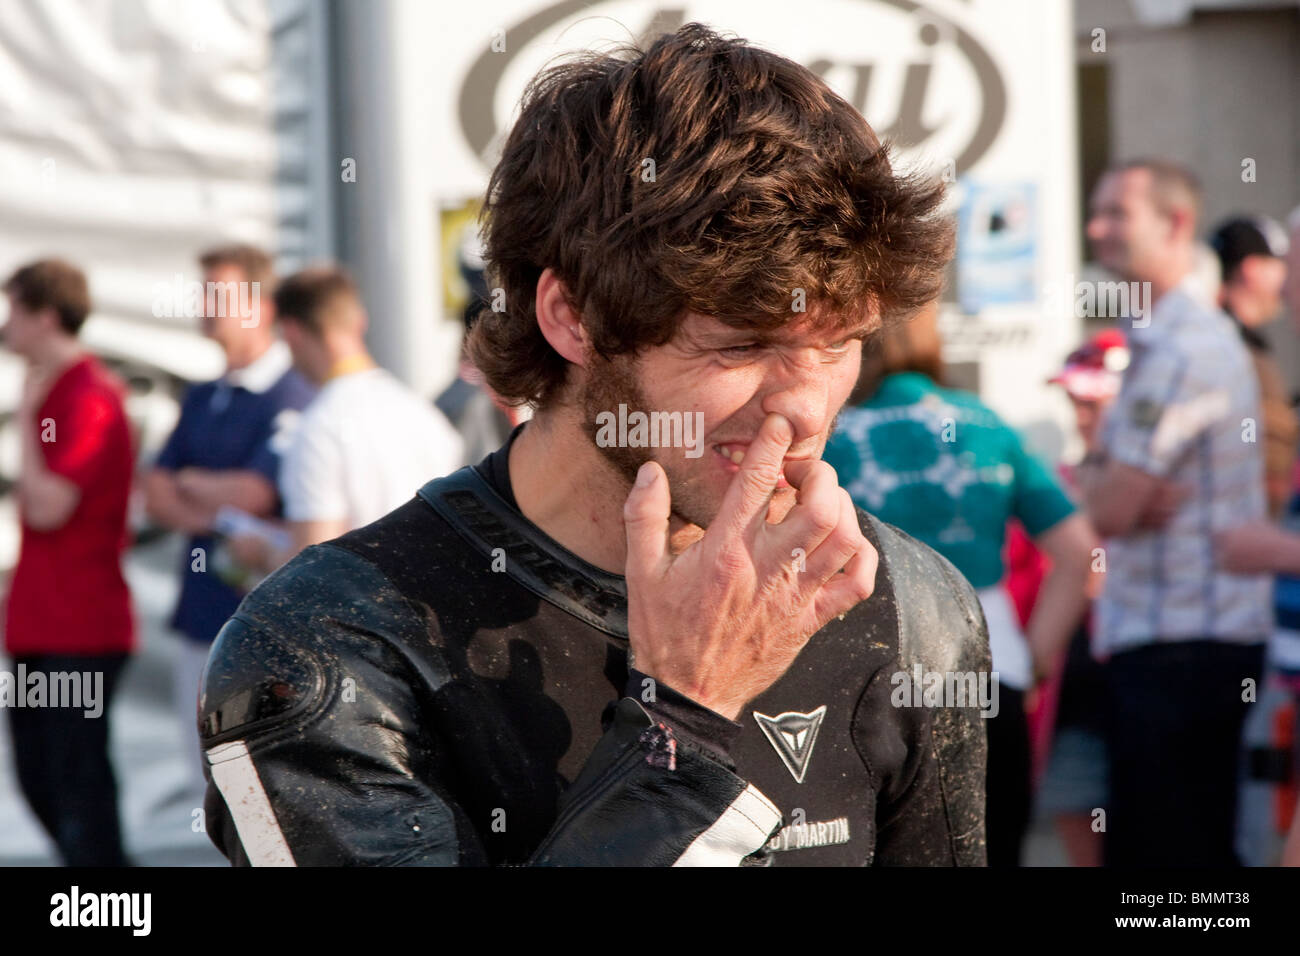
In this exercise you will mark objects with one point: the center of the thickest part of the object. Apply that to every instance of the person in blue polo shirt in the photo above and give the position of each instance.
(943, 467)
(224, 452)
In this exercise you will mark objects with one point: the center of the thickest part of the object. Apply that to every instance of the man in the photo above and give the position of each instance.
(1291, 285)
(430, 689)
(69, 610)
(1269, 547)
(1182, 635)
(225, 450)
(1259, 546)
(1252, 254)
(366, 443)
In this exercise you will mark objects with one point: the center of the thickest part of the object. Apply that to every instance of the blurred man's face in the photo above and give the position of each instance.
(735, 382)
(228, 325)
(1087, 418)
(24, 330)
(1262, 279)
(1129, 235)
(1291, 286)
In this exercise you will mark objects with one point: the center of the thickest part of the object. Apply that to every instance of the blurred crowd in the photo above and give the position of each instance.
(303, 438)
(1143, 602)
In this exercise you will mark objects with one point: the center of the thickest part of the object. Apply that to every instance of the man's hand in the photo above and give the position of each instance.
(252, 552)
(724, 619)
(1165, 501)
(1046, 666)
(1257, 547)
(1120, 499)
(167, 507)
(194, 483)
(209, 489)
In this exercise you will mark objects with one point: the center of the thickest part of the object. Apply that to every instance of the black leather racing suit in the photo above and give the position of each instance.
(438, 688)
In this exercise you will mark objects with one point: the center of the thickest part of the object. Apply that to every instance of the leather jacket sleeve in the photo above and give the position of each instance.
(324, 747)
(931, 814)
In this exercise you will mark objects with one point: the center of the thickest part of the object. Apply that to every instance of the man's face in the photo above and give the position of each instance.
(735, 383)
(1129, 235)
(25, 329)
(225, 322)
(1262, 278)
(1291, 288)
(1087, 418)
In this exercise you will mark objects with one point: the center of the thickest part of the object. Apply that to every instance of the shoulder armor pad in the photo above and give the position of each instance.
(940, 620)
(277, 659)
(252, 682)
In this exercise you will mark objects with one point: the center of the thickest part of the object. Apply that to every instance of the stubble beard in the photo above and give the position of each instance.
(612, 382)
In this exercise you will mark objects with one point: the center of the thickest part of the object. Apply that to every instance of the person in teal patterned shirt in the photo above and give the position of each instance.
(942, 466)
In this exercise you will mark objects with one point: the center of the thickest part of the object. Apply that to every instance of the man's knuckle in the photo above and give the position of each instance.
(847, 539)
(823, 516)
(730, 561)
(822, 471)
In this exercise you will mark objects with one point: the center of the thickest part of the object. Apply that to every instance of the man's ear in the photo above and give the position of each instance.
(559, 321)
(1182, 224)
(48, 318)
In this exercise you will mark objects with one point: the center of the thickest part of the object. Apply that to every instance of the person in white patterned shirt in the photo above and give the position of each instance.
(1184, 638)
(366, 443)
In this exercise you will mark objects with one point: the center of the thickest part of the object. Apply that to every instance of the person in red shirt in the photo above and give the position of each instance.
(68, 610)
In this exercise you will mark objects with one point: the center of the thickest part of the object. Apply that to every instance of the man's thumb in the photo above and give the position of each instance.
(645, 516)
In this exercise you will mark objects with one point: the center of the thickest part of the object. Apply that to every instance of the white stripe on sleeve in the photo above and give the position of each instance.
(743, 828)
(259, 831)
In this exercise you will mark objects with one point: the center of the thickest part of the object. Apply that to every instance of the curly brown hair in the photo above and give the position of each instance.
(699, 175)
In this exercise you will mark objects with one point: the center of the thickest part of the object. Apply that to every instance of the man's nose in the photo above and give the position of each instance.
(802, 396)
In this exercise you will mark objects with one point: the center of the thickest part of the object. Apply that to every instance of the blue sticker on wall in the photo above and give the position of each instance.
(997, 245)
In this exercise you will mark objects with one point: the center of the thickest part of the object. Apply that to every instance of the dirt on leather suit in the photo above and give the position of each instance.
(449, 686)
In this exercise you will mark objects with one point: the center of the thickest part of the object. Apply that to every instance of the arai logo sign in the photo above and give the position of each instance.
(919, 76)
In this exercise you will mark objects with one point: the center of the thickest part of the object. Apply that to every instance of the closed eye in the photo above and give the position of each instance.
(752, 349)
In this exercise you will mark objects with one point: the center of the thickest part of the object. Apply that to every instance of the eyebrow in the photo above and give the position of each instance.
(767, 339)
